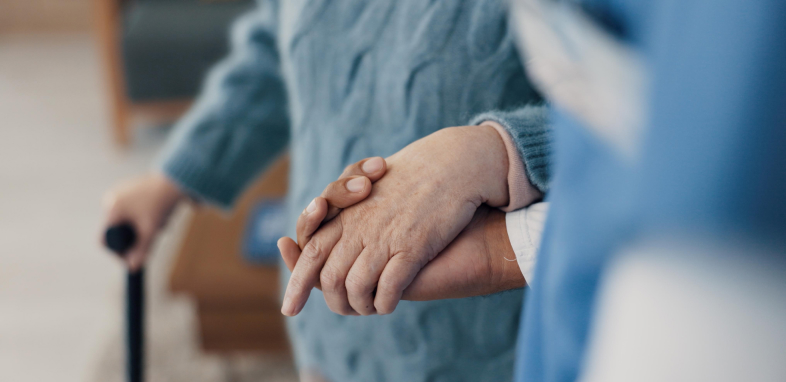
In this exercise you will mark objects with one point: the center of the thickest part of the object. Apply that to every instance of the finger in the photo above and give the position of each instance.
(137, 255)
(345, 192)
(397, 275)
(334, 275)
(340, 194)
(372, 168)
(363, 278)
(135, 258)
(308, 222)
(306, 272)
(290, 252)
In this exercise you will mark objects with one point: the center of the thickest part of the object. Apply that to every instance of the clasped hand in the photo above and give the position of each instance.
(420, 232)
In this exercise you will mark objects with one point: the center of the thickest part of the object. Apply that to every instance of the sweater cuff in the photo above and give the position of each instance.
(200, 184)
(522, 192)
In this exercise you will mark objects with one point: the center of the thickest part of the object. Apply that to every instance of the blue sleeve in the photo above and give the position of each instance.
(239, 123)
(715, 154)
(531, 131)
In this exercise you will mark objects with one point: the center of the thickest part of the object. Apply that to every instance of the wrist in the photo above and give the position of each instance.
(167, 189)
(506, 273)
(521, 192)
(488, 162)
(496, 185)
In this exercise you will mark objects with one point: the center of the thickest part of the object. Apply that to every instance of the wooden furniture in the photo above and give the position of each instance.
(238, 303)
(108, 30)
(156, 54)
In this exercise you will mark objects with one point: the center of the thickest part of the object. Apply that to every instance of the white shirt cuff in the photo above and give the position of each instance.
(525, 229)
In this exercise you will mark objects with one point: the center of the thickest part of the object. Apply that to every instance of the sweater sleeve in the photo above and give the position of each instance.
(239, 123)
(529, 130)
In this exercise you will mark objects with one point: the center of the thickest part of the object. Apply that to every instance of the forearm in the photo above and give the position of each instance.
(480, 261)
(240, 122)
(507, 274)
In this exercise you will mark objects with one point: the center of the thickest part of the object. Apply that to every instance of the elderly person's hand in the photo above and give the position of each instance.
(479, 261)
(429, 194)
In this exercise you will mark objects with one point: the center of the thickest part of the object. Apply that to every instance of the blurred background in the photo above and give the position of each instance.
(88, 89)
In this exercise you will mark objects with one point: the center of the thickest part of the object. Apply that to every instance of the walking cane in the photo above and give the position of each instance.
(120, 238)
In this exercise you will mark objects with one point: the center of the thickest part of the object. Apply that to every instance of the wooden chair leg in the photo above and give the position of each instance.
(121, 121)
(107, 15)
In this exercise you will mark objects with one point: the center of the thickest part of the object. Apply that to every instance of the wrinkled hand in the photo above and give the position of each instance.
(429, 194)
(478, 262)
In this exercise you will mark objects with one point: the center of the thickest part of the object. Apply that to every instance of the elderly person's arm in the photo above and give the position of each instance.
(367, 256)
(236, 128)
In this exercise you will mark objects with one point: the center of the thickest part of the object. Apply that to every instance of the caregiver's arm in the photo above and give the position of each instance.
(237, 127)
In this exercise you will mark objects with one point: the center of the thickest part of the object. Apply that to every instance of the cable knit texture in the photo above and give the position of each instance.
(339, 81)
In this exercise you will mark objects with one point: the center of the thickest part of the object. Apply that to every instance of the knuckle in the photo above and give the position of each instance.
(389, 285)
(349, 170)
(313, 250)
(331, 279)
(335, 189)
(410, 260)
(356, 285)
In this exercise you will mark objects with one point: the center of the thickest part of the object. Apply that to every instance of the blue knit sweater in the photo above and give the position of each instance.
(339, 81)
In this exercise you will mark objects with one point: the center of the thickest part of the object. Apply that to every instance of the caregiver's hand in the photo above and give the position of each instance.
(428, 195)
(352, 186)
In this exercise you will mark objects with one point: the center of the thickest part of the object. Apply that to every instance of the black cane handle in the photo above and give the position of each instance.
(120, 238)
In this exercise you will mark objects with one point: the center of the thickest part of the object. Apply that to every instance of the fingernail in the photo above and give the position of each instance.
(312, 206)
(372, 165)
(356, 185)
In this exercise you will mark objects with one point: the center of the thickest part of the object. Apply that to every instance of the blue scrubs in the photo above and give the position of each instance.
(712, 161)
